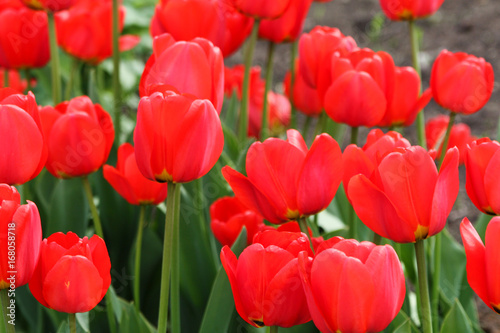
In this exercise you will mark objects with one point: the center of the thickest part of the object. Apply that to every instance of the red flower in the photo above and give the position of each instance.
(24, 38)
(129, 182)
(177, 138)
(20, 238)
(79, 137)
(482, 163)
(194, 67)
(73, 274)
(409, 10)
(365, 160)
(483, 261)
(461, 82)
(15, 81)
(351, 286)
(265, 281)
(460, 135)
(23, 147)
(50, 5)
(229, 216)
(215, 20)
(84, 31)
(406, 199)
(287, 181)
(288, 236)
(261, 9)
(288, 26)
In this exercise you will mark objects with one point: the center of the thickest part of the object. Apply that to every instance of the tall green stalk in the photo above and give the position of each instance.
(304, 228)
(176, 277)
(54, 60)
(264, 132)
(293, 120)
(74, 67)
(72, 322)
(117, 101)
(243, 122)
(5, 302)
(273, 329)
(27, 73)
(138, 251)
(170, 220)
(6, 78)
(425, 305)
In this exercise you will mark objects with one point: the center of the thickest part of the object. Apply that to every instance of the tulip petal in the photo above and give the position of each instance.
(295, 138)
(120, 184)
(101, 260)
(128, 42)
(492, 259)
(492, 182)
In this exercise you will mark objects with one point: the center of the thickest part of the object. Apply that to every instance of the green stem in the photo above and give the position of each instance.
(27, 74)
(377, 239)
(293, 120)
(93, 208)
(5, 78)
(447, 138)
(353, 226)
(116, 72)
(423, 287)
(264, 132)
(416, 65)
(203, 218)
(69, 87)
(305, 129)
(320, 123)
(303, 228)
(138, 250)
(4, 295)
(175, 284)
(354, 135)
(273, 329)
(243, 124)
(54, 60)
(173, 192)
(72, 322)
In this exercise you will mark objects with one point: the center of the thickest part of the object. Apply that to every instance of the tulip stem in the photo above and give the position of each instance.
(173, 192)
(303, 228)
(416, 65)
(354, 135)
(264, 131)
(138, 250)
(447, 138)
(319, 125)
(93, 208)
(54, 59)
(293, 120)
(423, 287)
(72, 322)
(273, 329)
(5, 302)
(5, 78)
(377, 239)
(116, 72)
(69, 87)
(243, 122)
(175, 283)
(27, 74)
(305, 129)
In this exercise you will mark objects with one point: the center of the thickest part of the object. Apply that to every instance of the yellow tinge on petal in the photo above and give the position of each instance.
(163, 177)
(4, 285)
(292, 214)
(421, 232)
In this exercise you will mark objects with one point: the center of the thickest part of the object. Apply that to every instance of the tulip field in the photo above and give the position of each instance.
(234, 166)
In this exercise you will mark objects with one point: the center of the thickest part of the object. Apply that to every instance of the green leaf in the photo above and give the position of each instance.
(456, 320)
(220, 305)
(83, 320)
(452, 267)
(132, 321)
(481, 224)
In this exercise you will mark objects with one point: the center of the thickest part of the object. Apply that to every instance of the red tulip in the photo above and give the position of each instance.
(287, 181)
(22, 146)
(15, 81)
(73, 274)
(194, 67)
(288, 26)
(49, 5)
(315, 51)
(177, 138)
(84, 31)
(409, 10)
(461, 82)
(215, 20)
(483, 261)
(228, 216)
(79, 137)
(406, 199)
(460, 135)
(20, 238)
(24, 38)
(261, 9)
(265, 281)
(352, 287)
(289, 236)
(129, 182)
(482, 163)
(365, 160)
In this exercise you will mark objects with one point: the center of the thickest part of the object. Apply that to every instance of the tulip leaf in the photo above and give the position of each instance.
(220, 306)
(83, 321)
(452, 267)
(456, 320)
(481, 224)
(115, 303)
(133, 321)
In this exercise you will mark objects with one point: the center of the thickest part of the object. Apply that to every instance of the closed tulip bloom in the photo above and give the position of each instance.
(195, 67)
(129, 182)
(177, 138)
(79, 137)
(15, 81)
(22, 147)
(460, 135)
(265, 280)
(84, 31)
(24, 38)
(461, 82)
(365, 160)
(352, 287)
(215, 20)
(483, 261)
(286, 180)
(482, 164)
(49, 5)
(228, 216)
(409, 10)
(73, 274)
(20, 238)
(305, 98)
(288, 26)
(261, 9)
(406, 199)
